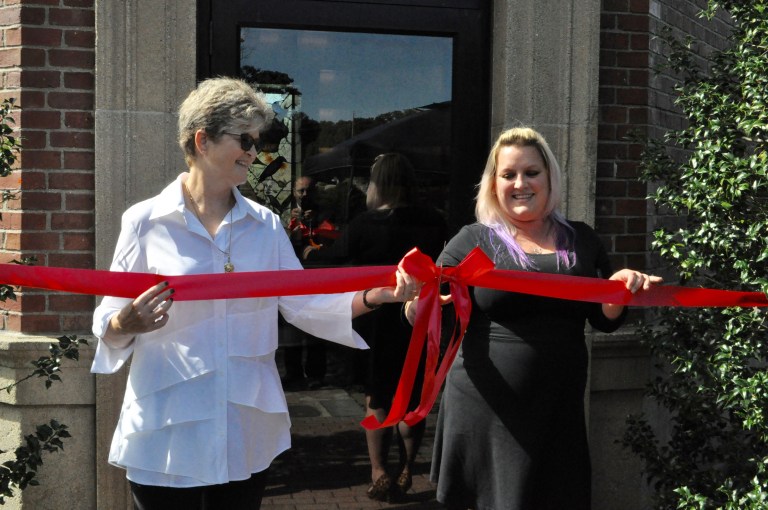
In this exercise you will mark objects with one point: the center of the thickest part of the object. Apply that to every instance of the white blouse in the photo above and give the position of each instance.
(203, 403)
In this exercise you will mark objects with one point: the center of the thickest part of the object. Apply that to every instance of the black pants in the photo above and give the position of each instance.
(240, 495)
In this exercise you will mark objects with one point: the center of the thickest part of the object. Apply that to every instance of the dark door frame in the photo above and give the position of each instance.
(466, 21)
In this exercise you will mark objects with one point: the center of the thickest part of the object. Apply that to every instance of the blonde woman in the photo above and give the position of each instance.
(511, 431)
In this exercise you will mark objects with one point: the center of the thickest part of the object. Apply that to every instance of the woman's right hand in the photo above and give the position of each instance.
(146, 313)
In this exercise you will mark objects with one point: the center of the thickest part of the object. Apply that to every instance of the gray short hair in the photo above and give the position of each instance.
(218, 105)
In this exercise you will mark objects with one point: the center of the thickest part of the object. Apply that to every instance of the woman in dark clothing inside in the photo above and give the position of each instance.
(392, 226)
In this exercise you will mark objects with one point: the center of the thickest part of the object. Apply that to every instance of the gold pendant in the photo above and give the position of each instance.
(229, 267)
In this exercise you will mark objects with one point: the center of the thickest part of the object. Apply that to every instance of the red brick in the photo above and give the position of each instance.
(632, 96)
(11, 79)
(41, 79)
(640, 6)
(83, 80)
(607, 58)
(612, 76)
(10, 16)
(13, 36)
(610, 225)
(640, 42)
(71, 100)
(79, 202)
(32, 57)
(11, 181)
(31, 99)
(611, 151)
(72, 221)
(10, 221)
(40, 241)
(39, 2)
(638, 115)
(604, 207)
(631, 207)
(31, 180)
(638, 77)
(39, 323)
(606, 132)
(41, 36)
(33, 221)
(10, 57)
(12, 241)
(70, 303)
(637, 59)
(637, 226)
(34, 139)
(615, 5)
(27, 302)
(41, 159)
(41, 201)
(80, 38)
(72, 139)
(72, 17)
(627, 169)
(606, 188)
(40, 119)
(607, 21)
(78, 242)
(614, 40)
(79, 160)
(85, 4)
(73, 260)
(632, 22)
(630, 243)
(71, 181)
(79, 120)
(607, 95)
(71, 58)
(613, 114)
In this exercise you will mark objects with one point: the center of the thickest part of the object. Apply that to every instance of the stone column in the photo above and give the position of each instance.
(68, 475)
(544, 74)
(145, 66)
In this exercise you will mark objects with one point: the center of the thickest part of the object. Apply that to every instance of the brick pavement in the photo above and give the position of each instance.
(327, 467)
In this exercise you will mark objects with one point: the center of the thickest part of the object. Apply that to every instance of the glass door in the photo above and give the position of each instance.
(349, 80)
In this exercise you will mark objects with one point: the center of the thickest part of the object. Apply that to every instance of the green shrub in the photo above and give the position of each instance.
(714, 361)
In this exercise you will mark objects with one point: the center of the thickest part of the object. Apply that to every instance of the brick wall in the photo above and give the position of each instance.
(635, 97)
(47, 64)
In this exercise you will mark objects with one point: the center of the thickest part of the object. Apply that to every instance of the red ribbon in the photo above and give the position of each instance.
(475, 270)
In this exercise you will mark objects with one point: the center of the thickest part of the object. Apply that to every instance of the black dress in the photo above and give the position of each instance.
(511, 431)
(383, 237)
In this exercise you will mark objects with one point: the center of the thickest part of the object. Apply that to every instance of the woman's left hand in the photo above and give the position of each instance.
(406, 288)
(635, 280)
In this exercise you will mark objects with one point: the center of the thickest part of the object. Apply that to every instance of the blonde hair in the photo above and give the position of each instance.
(221, 105)
(488, 211)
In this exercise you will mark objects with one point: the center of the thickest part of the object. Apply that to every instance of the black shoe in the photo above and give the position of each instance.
(315, 384)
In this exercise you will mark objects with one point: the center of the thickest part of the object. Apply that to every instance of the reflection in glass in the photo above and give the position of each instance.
(341, 99)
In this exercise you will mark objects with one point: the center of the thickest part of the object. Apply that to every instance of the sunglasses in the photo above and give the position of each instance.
(247, 141)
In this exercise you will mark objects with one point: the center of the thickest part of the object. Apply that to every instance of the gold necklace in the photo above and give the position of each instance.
(228, 266)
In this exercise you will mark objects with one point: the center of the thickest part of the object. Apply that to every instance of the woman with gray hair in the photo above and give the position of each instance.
(511, 428)
(204, 414)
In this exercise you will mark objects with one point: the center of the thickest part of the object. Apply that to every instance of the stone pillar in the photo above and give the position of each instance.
(544, 73)
(145, 61)
(66, 476)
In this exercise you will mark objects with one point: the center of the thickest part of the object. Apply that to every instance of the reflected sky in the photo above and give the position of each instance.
(342, 75)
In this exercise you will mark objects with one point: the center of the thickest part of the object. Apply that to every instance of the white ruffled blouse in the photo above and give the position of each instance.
(203, 403)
